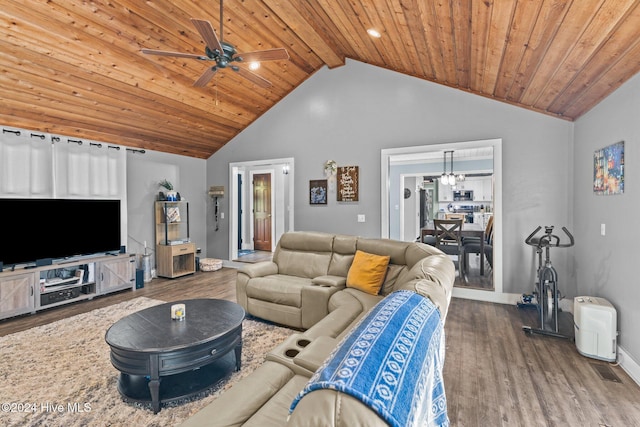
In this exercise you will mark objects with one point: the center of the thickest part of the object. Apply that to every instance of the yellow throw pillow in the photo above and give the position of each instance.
(367, 272)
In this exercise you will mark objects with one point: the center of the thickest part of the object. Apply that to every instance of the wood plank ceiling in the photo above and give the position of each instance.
(74, 68)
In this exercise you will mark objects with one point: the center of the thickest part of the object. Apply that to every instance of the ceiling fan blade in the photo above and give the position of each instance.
(206, 77)
(208, 34)
(265, 55)
(167, 53)
(254, 78)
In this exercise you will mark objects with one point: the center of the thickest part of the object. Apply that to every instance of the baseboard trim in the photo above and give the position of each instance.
(233, 264)
(501, 298)
(630, 366)
(486, 296)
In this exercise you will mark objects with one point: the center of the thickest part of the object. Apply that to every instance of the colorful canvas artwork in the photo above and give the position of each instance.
(608, 170)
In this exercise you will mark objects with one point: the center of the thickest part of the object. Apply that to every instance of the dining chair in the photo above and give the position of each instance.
(474, 247)
(449, 239)
(456, 215)
(475, 239)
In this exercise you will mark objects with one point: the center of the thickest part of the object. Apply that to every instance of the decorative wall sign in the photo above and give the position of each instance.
(348, 183)
(318, 192)
(608, 169)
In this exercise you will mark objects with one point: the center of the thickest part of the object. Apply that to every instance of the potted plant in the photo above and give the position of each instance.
(172, 195)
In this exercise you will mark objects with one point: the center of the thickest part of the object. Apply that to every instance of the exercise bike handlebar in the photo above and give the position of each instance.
(529, 240)
(546, 240)
(571, 241)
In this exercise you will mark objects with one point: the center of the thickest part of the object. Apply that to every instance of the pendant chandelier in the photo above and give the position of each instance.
(450, 178)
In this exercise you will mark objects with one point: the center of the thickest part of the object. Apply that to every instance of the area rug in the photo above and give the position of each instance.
(60, 374)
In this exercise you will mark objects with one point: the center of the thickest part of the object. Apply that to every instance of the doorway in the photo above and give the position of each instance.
(428, 160)
(242, 226)
(262, 207)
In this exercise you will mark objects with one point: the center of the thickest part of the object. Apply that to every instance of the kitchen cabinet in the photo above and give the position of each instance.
(445, 192)
(481, 218)
(482, 189)
(487, 188)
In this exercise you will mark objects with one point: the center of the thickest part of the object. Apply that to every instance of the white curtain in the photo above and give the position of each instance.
(42, 165)
(89, 170)
(25, 164)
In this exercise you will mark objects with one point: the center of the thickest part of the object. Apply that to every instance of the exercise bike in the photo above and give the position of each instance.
(546, 291)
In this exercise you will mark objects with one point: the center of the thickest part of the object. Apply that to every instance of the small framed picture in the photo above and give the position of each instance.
(318, 192)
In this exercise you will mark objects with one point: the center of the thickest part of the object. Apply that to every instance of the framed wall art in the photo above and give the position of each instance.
(348, 179)
(608, 170)
(318, 192)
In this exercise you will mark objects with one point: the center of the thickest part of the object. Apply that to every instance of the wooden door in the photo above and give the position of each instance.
(262, 212)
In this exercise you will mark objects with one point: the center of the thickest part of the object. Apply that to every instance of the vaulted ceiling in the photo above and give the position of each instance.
(75, 68)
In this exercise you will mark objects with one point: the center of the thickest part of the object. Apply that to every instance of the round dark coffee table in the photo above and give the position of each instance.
(161, 360)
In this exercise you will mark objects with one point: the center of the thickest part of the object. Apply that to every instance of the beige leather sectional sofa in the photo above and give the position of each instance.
(304, 287)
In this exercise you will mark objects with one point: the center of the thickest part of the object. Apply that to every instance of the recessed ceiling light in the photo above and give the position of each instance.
(254, 65)
(374, 33)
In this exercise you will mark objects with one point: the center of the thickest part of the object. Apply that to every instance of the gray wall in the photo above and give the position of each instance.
(605, 265)
(350, 113)
(144, 172)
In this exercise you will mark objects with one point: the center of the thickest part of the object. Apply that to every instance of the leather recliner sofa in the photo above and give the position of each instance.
(304, 287)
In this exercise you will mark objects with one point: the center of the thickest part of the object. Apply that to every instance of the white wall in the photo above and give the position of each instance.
(605, 265)
(350, 113)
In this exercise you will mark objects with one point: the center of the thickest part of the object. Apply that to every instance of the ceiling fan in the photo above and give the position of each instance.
(224, 55)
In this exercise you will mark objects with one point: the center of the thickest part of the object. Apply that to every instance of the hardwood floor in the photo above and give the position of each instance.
(255, 256)
(472, 278)
(216, 284)
(494, 373)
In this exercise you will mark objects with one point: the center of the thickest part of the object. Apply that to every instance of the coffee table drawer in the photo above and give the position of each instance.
(196, 356)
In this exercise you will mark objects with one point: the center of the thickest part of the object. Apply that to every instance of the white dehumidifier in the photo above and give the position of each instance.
(595, 328)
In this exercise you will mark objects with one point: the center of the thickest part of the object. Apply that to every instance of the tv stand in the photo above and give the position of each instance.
(41, 287)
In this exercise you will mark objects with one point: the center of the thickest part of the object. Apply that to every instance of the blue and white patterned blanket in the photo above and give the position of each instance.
(392, 362)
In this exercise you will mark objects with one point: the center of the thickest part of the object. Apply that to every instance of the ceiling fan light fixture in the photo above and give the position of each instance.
(225, 55)
(444, 178)
(374, 33)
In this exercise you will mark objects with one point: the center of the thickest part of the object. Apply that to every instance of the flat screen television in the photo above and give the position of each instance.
(35, 229)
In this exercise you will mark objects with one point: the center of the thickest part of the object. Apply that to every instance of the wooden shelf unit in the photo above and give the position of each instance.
(175, 254)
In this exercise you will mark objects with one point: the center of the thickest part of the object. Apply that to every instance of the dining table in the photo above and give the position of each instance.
(469, 229)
